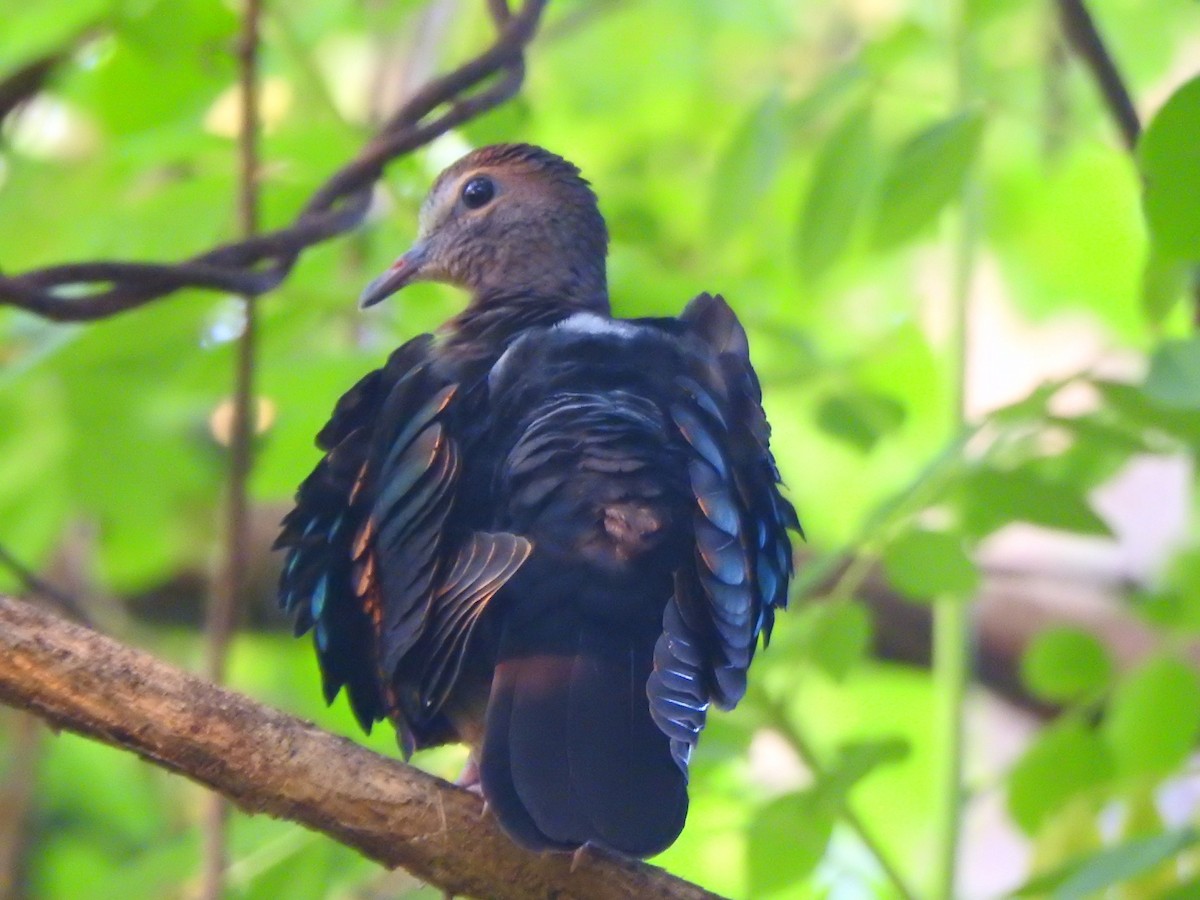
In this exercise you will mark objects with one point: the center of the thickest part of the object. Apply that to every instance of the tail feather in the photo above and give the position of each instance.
(538, 740)
(495, 766)
(570, 753)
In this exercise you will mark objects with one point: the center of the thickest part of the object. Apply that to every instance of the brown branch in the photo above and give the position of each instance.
(266, 761)
(78, 292)
(1081, 31)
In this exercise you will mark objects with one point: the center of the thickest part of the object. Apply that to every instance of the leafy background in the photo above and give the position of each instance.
(858, 178)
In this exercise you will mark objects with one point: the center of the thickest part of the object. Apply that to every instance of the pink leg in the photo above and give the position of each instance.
(469, 778)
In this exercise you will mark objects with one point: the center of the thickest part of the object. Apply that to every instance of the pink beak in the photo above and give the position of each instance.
(404, 270)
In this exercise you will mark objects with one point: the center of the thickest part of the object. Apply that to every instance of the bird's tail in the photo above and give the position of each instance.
(570, 754)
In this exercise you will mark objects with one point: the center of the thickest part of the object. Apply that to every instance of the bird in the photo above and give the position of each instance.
(548, 533)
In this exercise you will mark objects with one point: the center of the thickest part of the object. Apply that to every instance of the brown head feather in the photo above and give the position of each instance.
(539, 233)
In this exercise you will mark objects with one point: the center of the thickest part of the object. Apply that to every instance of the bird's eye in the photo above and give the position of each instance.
(478, 192)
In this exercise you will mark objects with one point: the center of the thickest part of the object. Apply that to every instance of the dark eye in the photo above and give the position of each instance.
(478, 192)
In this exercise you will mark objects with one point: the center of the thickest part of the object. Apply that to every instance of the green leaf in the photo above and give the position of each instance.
(994, 497)
(1065, 664)
(749, 165)
(1174, 376)
(31, 29)
(1164, 280)
(1099, 450)
(1175, 603)
(1067, 759)
(840, 182)
(183, 49)
(1153, 718)
(1085, 878)
(856, 760)
(926, 174)
(860, 418)
(839, 637)
(928, 564)
(1130, 402)
(1169, 154)
(787, 839)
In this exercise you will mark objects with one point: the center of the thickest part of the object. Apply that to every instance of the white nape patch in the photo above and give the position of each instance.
(590, 323)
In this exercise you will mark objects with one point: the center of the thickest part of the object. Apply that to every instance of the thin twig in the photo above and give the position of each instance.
(1080, 29)
(77, 292)
(17, 797)
(38, 586)
(228, 591)
(28, 80)
(268, 762)
(1084, 37)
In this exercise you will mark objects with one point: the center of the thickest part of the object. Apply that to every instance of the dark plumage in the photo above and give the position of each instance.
(551, 534)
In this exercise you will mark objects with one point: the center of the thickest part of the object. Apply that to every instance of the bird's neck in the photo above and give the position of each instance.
(483, 331)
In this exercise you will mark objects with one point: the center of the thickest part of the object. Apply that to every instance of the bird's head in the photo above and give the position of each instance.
(506, 221)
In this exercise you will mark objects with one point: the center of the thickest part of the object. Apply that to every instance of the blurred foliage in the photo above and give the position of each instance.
(807, 160)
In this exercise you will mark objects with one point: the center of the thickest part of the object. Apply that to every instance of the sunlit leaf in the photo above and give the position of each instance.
(995, 497)
(925, 175)
(185, 49)
(1164, 280)
(838, 636)
(1065, 664)
(1131, 403)
(1153, 717)
(1175, 601)
(1169, 154)
(857, 760)
(840, 181)
(31, 29)
(787, 839)
(1066, 759)
(928, 564)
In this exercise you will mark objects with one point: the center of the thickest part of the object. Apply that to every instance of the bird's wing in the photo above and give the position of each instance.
(371, 566)
(742, 559)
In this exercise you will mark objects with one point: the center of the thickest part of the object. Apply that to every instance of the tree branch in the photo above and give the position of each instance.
(1084, 37)
(79, 292)
(266, 761)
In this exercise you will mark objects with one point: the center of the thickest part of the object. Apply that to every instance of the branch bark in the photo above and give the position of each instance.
(266, 761)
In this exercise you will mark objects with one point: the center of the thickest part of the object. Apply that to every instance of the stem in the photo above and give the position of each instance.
(951, 643)
(794, 734)
(222, 611)
(952, 614)
(17, 797)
